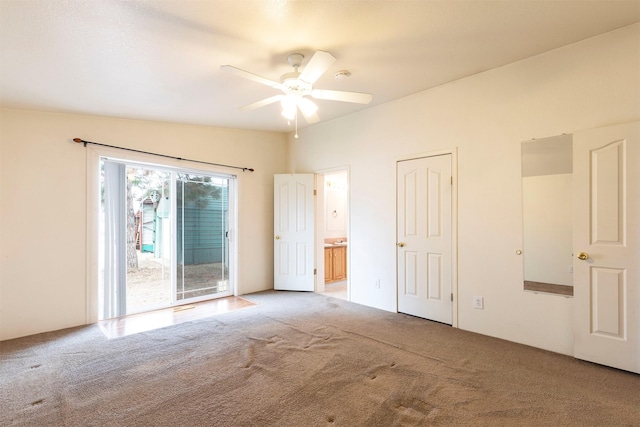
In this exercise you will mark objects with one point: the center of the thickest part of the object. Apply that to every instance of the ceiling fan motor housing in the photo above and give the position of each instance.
(292, 85)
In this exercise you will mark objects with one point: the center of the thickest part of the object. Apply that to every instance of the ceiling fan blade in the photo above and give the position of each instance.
(308, 109)
(307, 106)
(316, 66)
(250, 76)
(263, 102)
(336, 95)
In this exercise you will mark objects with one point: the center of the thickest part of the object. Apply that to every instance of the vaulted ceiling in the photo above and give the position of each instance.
(160, 59)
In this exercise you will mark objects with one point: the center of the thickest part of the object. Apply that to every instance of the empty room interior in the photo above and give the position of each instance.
(348, 213)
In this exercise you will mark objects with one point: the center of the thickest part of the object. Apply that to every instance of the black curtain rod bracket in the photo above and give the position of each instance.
(80, 140)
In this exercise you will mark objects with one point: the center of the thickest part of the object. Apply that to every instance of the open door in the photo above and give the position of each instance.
(607, 246)
(293, 226)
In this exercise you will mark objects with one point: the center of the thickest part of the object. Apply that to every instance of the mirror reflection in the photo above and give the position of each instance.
(547, 166)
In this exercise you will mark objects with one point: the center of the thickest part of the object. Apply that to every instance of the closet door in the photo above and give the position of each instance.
(425, 242)
(607, 246)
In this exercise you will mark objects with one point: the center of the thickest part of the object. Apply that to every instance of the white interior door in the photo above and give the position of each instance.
(293, 246)
(424, 249)
(606, 229)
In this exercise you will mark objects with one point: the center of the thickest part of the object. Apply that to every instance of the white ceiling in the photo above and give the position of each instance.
(160, 59)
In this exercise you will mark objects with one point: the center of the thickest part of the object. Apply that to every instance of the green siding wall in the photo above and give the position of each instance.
(203, 235)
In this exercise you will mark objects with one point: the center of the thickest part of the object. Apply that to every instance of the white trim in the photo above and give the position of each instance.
(92, 214)
(319, 244)
(233, 234)
(452, 151)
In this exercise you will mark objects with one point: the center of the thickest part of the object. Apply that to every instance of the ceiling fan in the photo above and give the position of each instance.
(298, 86)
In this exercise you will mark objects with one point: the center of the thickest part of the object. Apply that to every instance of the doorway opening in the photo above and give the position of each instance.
(163, 236)
(332, 230)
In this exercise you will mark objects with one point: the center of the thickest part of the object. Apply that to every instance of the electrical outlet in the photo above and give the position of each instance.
(377, 284)
(478, 302)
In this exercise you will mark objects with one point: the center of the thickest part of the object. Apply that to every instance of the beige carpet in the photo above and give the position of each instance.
(301, 359)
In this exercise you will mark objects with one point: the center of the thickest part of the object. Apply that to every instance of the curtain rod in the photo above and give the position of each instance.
(80, 140)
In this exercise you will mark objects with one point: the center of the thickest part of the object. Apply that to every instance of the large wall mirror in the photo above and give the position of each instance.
(547, 166)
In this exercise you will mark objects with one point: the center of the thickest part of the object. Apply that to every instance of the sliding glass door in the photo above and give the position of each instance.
(164, 237)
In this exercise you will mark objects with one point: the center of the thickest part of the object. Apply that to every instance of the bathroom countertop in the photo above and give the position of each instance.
(330, 245)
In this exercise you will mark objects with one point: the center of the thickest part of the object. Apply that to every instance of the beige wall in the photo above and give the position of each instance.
(589, 84)
(43, 207)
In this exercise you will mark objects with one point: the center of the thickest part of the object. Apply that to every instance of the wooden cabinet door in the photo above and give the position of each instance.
(328, 265)
(339, 263)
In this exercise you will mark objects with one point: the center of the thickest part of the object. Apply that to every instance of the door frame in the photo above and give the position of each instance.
(94, 153)
(320, 220)
(454, 220)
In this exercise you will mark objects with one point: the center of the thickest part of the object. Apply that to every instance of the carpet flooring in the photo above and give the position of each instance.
(302, 359)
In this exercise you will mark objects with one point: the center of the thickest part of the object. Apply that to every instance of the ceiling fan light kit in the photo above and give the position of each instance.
(298, 86)
(288, 107)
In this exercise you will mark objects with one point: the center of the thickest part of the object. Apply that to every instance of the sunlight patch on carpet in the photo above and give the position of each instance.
(143, 322)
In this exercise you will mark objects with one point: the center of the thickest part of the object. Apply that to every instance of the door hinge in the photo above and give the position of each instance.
(451, 180)
(451, 296)
(315, 192)
(315, 271)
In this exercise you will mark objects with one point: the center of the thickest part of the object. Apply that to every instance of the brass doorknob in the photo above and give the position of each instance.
(583, 255)
(401, 244)
(277, 237)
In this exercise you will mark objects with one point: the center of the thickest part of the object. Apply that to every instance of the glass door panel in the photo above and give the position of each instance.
(202, 245)
(148, 239)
